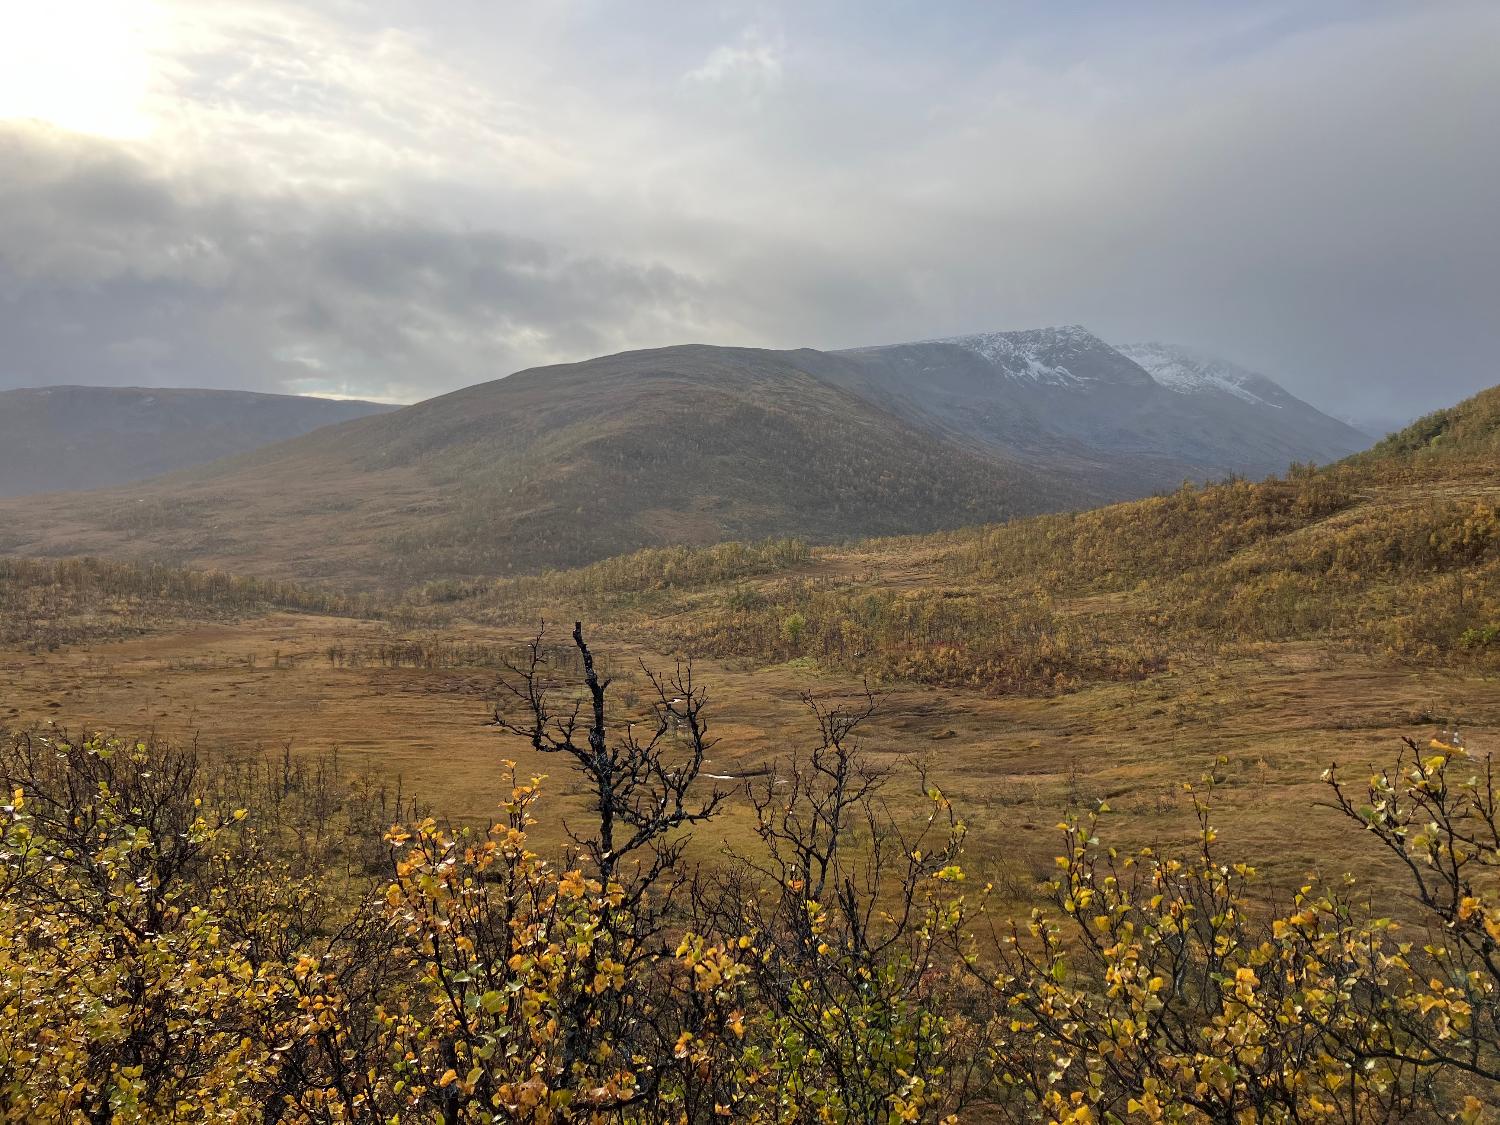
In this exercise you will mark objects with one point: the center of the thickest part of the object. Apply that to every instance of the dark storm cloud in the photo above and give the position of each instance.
(393, 199)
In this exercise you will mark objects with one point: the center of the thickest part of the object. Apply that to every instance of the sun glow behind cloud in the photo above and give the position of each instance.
(388, 199)
(82, 65)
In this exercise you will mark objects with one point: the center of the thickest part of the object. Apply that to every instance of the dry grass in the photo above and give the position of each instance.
(1267, 722)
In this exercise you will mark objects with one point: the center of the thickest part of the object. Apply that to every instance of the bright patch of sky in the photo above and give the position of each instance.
(83, 65)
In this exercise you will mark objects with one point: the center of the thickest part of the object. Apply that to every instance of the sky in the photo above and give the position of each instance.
(395, 198)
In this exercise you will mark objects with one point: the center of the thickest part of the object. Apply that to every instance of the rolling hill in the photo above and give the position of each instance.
(63, 438)
(1393, 554)
(553, 466)
(564, 465)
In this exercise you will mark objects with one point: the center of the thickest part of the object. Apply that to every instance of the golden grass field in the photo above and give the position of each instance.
(1276, 717)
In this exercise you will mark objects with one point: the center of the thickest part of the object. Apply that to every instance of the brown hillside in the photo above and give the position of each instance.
(552, 467)
(1395, 553)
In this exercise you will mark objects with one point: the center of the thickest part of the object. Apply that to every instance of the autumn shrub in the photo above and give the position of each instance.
(1174, 988)
(521, 1007)
(855, 1007)
(113, 974)
(166, 955)
(1116, 546)
(184, 940)
(1356, 555)
(1479, 636)
(1000, 644)
(1164, 989)
(1465, 435)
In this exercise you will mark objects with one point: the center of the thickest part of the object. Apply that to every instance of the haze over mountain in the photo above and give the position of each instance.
(71, 437)
(1064, 397)
(1258, 408)
(694, 444)
(1377, 425)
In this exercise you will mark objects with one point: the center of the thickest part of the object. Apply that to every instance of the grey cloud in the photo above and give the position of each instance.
(109, 274)
(1321, 209)
(389, 200)
(750, 68)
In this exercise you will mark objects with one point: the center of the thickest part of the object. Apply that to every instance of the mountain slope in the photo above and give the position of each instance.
(55, 438)
(1390, 554)
(1191, 372)
(564, 465)
(1248, 398)
(1466, 435)
(554, 466)
(1066, 398)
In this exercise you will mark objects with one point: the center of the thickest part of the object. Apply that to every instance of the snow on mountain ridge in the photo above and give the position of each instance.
(1188, 372)
(1034, 354)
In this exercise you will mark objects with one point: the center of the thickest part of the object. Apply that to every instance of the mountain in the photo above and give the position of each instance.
(554, 466)
(1248, 396)
(1191, 372)
(564, 465)
(1064, 397)
(55, 438)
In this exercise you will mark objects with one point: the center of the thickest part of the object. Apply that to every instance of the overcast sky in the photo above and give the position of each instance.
(394, 198)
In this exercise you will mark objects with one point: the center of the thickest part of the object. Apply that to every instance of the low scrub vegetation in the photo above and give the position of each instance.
(640, 573)
(1345, 555)
(1115, 548)
(1021, 642)
(46, 603)
(1464, 437)
(186, 939)
(1393, 553)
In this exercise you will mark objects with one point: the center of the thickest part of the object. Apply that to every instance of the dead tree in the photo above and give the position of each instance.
(640, 777)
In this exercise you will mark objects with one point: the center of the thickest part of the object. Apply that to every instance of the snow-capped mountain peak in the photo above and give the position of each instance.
(1188, 372)
(1065, 356)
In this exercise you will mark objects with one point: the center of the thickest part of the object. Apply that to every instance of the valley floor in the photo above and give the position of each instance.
(1265, 722)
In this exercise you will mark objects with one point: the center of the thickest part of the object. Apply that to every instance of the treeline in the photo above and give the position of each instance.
(1419, 579)
(186, 941)
(1394, 552)
(51, 602)
(1409, 574)
(1119, 546)
(1383, 553)
(643, 572)
(1022, 641)
(1054, 602)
